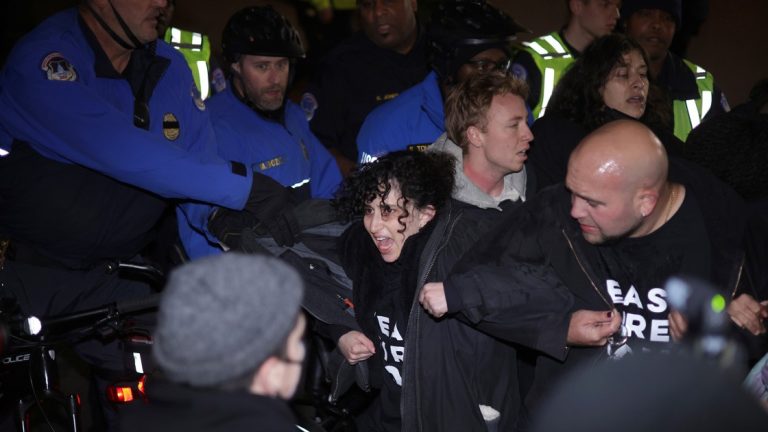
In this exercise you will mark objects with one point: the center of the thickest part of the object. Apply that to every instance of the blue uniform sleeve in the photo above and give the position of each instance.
(198, 242)
(70, 122)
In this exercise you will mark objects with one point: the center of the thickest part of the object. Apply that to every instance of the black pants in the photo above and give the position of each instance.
(44, 291)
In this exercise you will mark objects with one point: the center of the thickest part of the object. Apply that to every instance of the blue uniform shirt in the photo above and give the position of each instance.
(413, 120)
(61, 96)
(288, 152)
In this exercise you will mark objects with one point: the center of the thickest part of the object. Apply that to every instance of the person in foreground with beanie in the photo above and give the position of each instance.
(229, 345)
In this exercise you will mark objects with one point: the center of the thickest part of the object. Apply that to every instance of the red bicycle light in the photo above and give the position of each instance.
(119, 394)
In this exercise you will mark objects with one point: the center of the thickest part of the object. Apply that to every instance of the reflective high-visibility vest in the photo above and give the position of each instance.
(197, 51)
(689, 113)
(551, 55)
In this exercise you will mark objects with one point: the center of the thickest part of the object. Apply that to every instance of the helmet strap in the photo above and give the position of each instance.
(120, 41)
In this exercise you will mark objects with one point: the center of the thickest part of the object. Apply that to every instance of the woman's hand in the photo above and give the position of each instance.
(355, 347)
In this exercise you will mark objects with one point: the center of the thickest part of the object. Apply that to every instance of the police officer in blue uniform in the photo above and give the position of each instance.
(253, 121)
(388, 56)
(465, 37)
(103, 126)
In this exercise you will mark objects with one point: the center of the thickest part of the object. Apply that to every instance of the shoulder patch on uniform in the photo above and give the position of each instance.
(519, 71)
(57, 68)
(308, 104)
(171, 128)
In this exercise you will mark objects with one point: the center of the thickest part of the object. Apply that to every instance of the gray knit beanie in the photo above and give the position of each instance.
(222, 316)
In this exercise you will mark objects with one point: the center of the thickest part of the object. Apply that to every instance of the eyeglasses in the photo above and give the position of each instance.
(485, 66)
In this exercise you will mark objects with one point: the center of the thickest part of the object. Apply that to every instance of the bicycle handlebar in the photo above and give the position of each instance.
(111, 310)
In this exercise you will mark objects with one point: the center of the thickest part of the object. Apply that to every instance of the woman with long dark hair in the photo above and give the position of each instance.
(608, 82)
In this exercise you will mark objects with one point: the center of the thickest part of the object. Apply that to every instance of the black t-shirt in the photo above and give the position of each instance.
(636, 270)
(391, 324)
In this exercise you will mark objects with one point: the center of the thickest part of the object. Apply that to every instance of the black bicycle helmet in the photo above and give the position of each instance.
(459, 29)
(260, 31)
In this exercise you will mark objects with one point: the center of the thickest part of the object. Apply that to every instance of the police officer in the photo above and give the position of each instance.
(254, 122)
(466, 37)
(372, 67)
(691, 89)
(103, 125)
(543, 60)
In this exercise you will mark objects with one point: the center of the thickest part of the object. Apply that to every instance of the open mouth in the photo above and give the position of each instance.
(383, 244)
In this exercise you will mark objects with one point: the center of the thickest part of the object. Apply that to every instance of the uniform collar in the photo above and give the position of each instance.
(101, 65)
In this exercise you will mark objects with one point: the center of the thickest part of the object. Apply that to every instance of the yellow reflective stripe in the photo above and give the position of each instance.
(706, 102)
(175, 36)
(693, 112)
(3, 152)
(549, 86)
(197, 41)
(202, 71)
(300, 184)
(536, 47)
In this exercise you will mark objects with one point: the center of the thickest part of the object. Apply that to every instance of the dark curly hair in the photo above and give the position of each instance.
(423, 178)
(577, 95)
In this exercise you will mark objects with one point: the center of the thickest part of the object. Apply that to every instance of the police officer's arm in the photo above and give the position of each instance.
(68, 121)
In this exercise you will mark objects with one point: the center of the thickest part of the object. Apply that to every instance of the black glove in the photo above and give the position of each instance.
(272, 204)
(228, 226)
(269, 205)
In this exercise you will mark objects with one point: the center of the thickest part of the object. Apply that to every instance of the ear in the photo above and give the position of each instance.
(474, 136)
(425, 215)
(269, 376)
(236, 67)
(647, 200)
